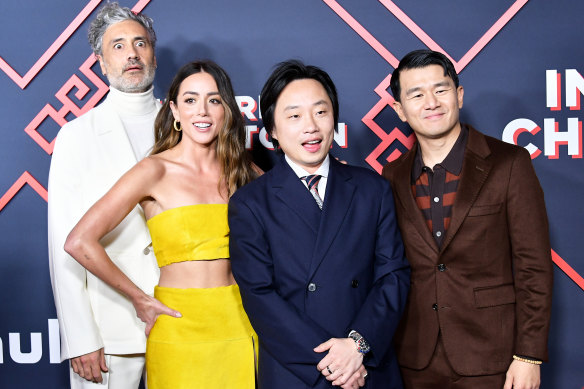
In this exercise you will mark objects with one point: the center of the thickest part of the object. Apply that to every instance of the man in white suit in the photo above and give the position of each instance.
(100, 333)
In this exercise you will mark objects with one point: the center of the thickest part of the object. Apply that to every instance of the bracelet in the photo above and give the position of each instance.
(362, 345)
(532, 361)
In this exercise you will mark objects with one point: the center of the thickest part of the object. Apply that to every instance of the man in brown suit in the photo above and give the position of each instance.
(473, 220)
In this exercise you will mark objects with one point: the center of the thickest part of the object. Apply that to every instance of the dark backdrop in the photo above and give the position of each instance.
(514, 58)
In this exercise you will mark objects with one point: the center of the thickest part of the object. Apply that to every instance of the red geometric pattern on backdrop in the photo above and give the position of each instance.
(62, 95)
(388, 138)
(23, 81)
(68, 105)
(385, 98)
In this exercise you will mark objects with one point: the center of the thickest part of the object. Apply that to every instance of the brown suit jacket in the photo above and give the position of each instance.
(491, 280)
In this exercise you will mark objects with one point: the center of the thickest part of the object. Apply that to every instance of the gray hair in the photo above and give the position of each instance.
(113, 13)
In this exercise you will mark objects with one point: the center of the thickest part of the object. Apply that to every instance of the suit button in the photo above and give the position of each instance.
(435, 307)
(442, 267)
(355, 283)
(146, 251)
(311, 287)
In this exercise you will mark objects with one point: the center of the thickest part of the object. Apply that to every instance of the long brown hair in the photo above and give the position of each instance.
(236, 169)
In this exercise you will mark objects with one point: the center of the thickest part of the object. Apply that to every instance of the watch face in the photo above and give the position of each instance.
(362, 345)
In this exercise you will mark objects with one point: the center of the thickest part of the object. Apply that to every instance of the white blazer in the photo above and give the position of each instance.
(91, 153)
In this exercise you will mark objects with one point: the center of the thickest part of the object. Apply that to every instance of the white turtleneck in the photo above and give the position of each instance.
(137, 112)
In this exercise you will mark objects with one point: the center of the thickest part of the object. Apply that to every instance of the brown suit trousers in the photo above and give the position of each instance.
(487, 290)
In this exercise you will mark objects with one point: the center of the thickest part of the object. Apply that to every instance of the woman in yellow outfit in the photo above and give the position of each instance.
(199, 335)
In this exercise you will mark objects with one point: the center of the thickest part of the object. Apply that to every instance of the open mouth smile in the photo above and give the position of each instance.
(312, 145)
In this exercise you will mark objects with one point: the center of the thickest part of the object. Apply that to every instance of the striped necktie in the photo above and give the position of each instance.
(312, 183)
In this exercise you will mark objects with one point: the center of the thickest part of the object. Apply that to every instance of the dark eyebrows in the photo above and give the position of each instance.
(440, 84)
(319, 102)
(412, 90)
(198, 94)
(444, 83)
(136, 38)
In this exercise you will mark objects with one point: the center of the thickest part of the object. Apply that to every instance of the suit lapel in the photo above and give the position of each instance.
(475, 170)
(339, 196)
(403, 193)
(291, 191)
(116, 150)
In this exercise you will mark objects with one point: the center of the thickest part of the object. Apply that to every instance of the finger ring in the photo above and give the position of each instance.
(365, 375)
(329, 370)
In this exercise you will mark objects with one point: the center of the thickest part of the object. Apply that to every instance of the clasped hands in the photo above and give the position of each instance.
(343, 364)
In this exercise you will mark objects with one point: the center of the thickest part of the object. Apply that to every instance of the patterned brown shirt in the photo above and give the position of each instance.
(435, 189)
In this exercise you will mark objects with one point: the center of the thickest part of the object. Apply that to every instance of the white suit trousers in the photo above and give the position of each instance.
(124, 372)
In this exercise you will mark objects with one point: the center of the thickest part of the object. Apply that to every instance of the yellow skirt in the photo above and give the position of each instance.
(211, 346)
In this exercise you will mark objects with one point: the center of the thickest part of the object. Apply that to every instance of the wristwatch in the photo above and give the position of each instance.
(362, 345)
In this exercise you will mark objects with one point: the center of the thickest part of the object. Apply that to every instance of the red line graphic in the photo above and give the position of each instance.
(478, 46)
(140, 5)
(387, 139)
(25, 178)
(363, 33)
(386, 99)
(23, 81)
(68, 105)
(490, 34)
(570, 272)
(413, 27)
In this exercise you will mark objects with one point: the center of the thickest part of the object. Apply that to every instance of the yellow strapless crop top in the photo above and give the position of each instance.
(190, 233)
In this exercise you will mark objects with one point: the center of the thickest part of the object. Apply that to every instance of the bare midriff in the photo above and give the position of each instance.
(197, 274)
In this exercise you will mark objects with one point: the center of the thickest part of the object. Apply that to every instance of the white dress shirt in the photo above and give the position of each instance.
(323, 171)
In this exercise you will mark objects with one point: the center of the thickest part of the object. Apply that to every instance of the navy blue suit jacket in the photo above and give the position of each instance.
(308, 275)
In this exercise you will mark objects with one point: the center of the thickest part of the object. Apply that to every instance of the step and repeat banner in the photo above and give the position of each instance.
(520, 62)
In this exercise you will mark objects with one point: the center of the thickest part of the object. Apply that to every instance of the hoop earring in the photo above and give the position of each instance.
(176, 127)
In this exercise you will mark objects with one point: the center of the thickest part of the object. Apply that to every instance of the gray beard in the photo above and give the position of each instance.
(126, 86)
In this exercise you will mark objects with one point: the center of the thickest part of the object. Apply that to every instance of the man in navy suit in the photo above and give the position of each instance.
(316, 250)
